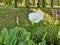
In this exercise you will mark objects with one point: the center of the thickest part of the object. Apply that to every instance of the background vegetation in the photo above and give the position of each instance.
(46, 32)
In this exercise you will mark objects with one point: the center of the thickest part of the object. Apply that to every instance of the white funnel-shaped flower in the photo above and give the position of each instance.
(35, 17)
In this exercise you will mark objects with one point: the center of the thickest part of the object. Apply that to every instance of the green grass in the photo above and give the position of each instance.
(8, 16)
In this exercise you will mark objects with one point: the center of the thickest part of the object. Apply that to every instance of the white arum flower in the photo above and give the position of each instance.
(35, 17)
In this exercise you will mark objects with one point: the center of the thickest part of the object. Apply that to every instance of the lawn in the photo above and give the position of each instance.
(8, 16)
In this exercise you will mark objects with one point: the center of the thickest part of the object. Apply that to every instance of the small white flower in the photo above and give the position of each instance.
(35, 17)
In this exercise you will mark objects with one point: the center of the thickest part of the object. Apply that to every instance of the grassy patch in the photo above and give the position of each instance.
(8, 16)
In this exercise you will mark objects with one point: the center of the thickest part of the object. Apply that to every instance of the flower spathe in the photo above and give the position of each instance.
(35, 17)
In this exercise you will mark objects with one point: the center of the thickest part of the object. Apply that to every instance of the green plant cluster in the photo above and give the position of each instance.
(17, 37)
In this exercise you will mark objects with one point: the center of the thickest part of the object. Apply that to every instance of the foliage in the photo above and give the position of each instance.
(13, 37)
(24, 38)
(8, 1)
(8, 37)
(49, 24)
(32, 2)
(42, 43)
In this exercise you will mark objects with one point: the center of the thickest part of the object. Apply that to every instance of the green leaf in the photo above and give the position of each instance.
(24, 38)
(1, 39)
(44, 36)
(17, 21)
(31, 42)
(4, 34)
(13, 35)
(42, 43)
(59, 34)
(15, 41)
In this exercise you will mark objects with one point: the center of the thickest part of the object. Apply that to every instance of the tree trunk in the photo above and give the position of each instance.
(15, 3)
(38, 4)
(43, 3)
(27, 3)
(51, 3)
